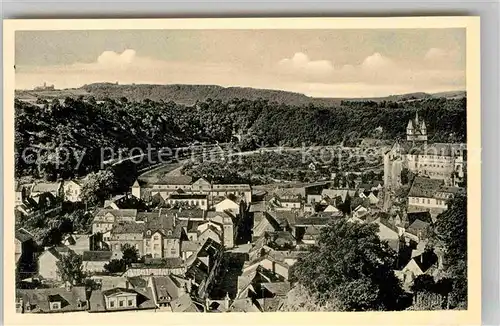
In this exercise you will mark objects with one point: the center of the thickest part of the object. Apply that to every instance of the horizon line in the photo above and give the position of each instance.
(239, 86)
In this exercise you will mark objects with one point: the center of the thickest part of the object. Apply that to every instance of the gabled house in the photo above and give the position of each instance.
(167, 289)
(121, 299)
(424, 263)
(47, 262)
(417, 231)
(72, 191)
(228, 205)
(107, 217)
(52, 300)
(54, 188)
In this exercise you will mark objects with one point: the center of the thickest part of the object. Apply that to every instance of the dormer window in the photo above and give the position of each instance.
(148, 232)
(55, 306)
(169, 232)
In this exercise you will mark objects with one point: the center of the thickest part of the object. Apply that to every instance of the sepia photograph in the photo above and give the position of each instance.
(243, 169)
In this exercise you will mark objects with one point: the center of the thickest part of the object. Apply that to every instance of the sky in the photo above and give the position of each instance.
(318, 63)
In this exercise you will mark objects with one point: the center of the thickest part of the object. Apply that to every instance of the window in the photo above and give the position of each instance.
(111, 304)
(173, 251)
(117, 247)
(122, 303)
(428, 201)
(130, 303)
(55, 306)
(148, 232)
(156, 238)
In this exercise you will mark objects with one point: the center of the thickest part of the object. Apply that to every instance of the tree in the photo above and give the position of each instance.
(451, 233)
(130, 254)
(70, 269)
(98, 186)
(352, 266)
(301, 300)
(116, 266)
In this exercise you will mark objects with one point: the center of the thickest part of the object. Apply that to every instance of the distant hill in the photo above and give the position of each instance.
(189, 94)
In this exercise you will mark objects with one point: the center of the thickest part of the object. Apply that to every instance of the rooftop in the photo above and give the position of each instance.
(424, 187)
(97, 255)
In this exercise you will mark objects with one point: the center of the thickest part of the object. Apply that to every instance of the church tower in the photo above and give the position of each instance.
(416, 130)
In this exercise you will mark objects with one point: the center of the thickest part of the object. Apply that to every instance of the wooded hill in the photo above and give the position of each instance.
(190, 94)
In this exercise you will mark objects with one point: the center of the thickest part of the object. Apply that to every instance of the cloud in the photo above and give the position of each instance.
(301, 63)
(375, 75)
(376, 62)
(117, 59)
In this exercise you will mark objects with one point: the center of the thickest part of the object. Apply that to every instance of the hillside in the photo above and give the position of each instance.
(190, 94)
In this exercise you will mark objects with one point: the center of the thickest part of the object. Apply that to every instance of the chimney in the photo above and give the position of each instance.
(126, 284)
(207, 304)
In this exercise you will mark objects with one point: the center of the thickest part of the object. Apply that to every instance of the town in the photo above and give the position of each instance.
(181, 240)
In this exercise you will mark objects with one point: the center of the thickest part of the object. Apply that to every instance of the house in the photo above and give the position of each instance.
(281, 239)
(249, 281)
(79, 243)
(188, 248)
(417, 231)
(130, 233)
(25, 246)
(228, 205)
(388, 232)
(244, 305)
(308, 208)
(54, 188)
(421, 264)
(21, 193)
(186, 303)
(229, 226)
(203, 266)
(168, 288)
(314, 198)
(41, 205)
(94, 261)
(331, 208)
(359, 211)
(72, 191)
(107, 217)
(188, 200)
(266, 223)
(121, 299)
(47, 262)
(212, 233)
(429, 195)
(52, 300)
(278, 268)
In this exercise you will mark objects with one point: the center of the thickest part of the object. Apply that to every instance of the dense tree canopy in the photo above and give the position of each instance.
(62, 139)
(451, 233)
(351, 266)
(70, 269)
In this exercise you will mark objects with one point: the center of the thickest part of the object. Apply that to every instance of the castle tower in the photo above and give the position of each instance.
(416, 130)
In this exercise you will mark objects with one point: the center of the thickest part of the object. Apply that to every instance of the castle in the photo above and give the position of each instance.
(442, 161)
(416, 131)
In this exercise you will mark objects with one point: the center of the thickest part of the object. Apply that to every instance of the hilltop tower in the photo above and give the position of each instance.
(416, 130)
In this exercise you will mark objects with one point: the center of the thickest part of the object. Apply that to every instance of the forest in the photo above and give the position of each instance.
(51, 136)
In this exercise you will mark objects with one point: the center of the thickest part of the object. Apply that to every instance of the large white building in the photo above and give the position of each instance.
(441, 161)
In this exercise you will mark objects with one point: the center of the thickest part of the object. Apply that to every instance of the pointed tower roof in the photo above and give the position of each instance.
(410, 125)
(423, 125)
